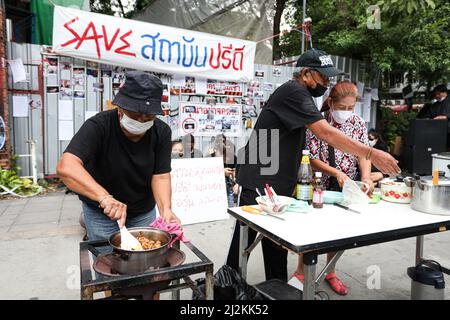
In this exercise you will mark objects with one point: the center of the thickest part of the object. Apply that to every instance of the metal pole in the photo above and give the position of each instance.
(303, 20)
(33, 160)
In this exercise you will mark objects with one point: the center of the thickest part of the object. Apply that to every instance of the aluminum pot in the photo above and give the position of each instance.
(130, 261)
(441, 162)
(429, 198)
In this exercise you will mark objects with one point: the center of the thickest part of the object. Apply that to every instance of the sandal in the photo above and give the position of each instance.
(300, 277)
(336, 284)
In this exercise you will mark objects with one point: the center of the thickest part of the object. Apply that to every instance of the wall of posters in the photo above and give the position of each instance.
(201, 119)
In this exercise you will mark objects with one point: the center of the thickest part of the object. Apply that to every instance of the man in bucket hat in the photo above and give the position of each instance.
(119, 161)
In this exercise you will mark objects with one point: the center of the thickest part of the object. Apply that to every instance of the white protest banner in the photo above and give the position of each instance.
(146, 46)
(198, 190)
(201, 119)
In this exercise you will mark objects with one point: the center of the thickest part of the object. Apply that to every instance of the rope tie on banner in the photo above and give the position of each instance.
(282, 33)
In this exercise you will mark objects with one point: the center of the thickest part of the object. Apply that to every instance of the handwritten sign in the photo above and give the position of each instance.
(203, 119)
(152, 47)
(198, 190)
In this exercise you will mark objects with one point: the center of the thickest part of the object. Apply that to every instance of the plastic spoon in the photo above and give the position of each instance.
(127, 240)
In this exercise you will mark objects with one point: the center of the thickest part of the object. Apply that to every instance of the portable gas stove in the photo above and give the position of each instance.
(99, 276)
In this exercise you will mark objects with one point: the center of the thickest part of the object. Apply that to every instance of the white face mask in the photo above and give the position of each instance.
(134, 126)
(341, 116)
(372, 142)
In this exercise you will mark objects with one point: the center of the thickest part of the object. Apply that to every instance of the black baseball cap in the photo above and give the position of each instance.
(319, 61)
(440, 88)
(141, 93)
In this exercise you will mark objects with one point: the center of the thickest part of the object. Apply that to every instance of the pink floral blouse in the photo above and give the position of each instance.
(354, 128)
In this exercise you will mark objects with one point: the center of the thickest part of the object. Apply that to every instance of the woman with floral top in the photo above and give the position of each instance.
(336, 165)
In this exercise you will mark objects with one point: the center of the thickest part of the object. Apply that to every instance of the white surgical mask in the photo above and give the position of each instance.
(372, 142)
(341, 116)
(134, 126)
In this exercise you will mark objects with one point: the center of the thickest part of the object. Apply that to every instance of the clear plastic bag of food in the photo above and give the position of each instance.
(353, 194)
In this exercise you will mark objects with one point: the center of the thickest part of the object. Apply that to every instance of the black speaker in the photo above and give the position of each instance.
(423, 138)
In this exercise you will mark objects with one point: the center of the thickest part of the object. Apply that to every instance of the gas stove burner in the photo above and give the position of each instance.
(175, 258)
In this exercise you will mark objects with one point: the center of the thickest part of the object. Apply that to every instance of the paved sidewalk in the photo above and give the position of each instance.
(39, 247)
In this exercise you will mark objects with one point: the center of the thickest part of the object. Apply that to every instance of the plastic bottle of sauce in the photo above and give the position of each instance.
(304, 177)
(318, 190)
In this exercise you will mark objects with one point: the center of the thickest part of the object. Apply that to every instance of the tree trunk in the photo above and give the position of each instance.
(279, 7)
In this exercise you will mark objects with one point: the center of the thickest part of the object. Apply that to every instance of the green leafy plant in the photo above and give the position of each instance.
(9, 179)
(395, 123)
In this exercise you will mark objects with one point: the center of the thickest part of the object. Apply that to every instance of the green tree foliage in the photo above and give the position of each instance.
(413, 38)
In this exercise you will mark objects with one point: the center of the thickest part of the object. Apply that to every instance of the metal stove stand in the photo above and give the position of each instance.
(173, 278)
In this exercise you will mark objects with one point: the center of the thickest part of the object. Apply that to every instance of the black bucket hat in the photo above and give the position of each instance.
(319, 61)
(141, 93)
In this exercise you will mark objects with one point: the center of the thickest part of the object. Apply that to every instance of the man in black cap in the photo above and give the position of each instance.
(119, 161)
(440, 108)
(279, 133)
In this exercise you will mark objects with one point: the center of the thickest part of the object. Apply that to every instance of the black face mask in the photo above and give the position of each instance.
(318, 91)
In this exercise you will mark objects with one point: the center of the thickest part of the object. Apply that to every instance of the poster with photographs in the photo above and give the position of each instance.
(217, 87)
(268, 86)
(98, 87)
(253, 87)
(117, 80)
(35, 102)
(65, 90)
(65, 70)
(276, 72)
(166, 95)
(78, 82)
(79, 94)
(189, 85)
(259, 74)
(50, 66)
(52, 89)
(92, 73)
(203, 119)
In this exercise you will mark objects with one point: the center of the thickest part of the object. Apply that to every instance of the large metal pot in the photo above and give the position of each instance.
(429, 198)
(129, 261)
(441, 162)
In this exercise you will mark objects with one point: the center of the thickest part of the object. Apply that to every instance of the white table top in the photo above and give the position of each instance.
(332, 223)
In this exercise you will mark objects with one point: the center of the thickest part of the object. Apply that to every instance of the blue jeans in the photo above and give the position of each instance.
(100, 227)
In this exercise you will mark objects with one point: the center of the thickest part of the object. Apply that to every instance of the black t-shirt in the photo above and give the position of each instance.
(123, 167)
(289, 109)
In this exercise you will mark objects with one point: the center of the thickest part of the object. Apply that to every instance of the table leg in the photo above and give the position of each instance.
(419, 249)
(176, 293)
(209, 286)
(243, 243)
(309, 285)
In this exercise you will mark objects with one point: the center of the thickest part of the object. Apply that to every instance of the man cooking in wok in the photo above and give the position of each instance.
(119, 161)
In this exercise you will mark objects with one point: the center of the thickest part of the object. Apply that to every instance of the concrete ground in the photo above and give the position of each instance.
(39, 250)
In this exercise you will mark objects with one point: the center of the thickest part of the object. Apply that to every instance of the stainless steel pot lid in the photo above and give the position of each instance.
(429, 181)
(442, 155)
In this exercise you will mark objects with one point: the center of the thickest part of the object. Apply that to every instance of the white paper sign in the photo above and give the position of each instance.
(360, 86)
(65, 128)
(178, 81)
(201, 119)
(201, 86)
(358, 109)
(367, 102)
(65, 110)
(198, 190)
(18, 70)
(20, 106)
(151, 47)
